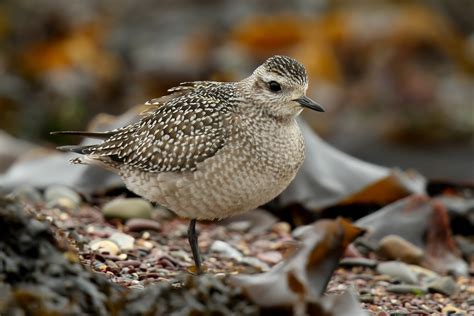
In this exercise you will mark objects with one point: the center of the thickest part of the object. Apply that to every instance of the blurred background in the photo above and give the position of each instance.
(396, 77)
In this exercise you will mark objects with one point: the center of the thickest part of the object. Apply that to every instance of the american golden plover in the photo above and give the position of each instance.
(209, 150)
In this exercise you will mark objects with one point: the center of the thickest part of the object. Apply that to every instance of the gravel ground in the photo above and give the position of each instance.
(160, 253)
(371, 288)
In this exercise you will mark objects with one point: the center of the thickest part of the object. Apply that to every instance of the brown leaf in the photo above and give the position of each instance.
(396, 185)
(302, 277)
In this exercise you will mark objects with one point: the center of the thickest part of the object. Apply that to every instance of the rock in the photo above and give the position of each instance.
(127, 208)
(124, 241)
(281, 228)
(366, 298)
(397, 270)
(226, 250)
(444, 285)
(141, 224)
(27, 193)
(58, 195)
(452, 310)
(358, 262)
(394, 247)
(260, 220)
(163, 213)
(128, 263)
(271, 257)
(239, 226)
(63, 203)
(424, 273)
(406, 289)
(105, 246)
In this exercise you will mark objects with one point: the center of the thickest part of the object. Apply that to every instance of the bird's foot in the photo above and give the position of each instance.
(198, 270)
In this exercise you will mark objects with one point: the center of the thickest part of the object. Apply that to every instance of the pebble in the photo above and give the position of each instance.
(226, 250)
(406, 289)
(271, 257)
(397, 270)
(105, 246)
(127, 208)
(239, 226)
(63, 203)
(27, 193)
(124, 241)
(358, 262)
(394, 247)
(366, 298)
(423, 272)
(141, 224)
(444, 285)
(179, 254)
(282, 228)
(58, 195)
(128, 263)
(163, 213)
(112, 265)
(148, 244)
(452, 310)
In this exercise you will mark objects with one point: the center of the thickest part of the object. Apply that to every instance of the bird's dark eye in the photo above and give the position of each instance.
(274, 86)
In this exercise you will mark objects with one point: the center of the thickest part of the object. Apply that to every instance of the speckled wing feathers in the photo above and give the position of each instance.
(175, 136)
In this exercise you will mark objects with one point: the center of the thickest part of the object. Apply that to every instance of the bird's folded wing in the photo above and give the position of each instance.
(175, 137)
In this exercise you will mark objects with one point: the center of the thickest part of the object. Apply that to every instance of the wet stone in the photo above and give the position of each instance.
(105, 246)
(128, 263)
(397, 270)
(281, 228)
(396, 248)
(452, 310)
(163, 213)
(58, 195)
(124, 241)
(142, 224)
(358, 262)
(239, 226)
(127, 208)
(426, 274)
(226, 250)
(444, 285)
(63, 203)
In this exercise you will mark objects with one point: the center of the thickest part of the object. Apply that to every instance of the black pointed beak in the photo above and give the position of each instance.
(306, 102)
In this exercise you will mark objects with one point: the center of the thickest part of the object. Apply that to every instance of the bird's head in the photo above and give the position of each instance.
(279, 87)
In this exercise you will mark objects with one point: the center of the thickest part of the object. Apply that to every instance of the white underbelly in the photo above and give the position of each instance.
(219, 188)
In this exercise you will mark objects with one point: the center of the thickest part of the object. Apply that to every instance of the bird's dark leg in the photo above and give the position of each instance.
(193, 242)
